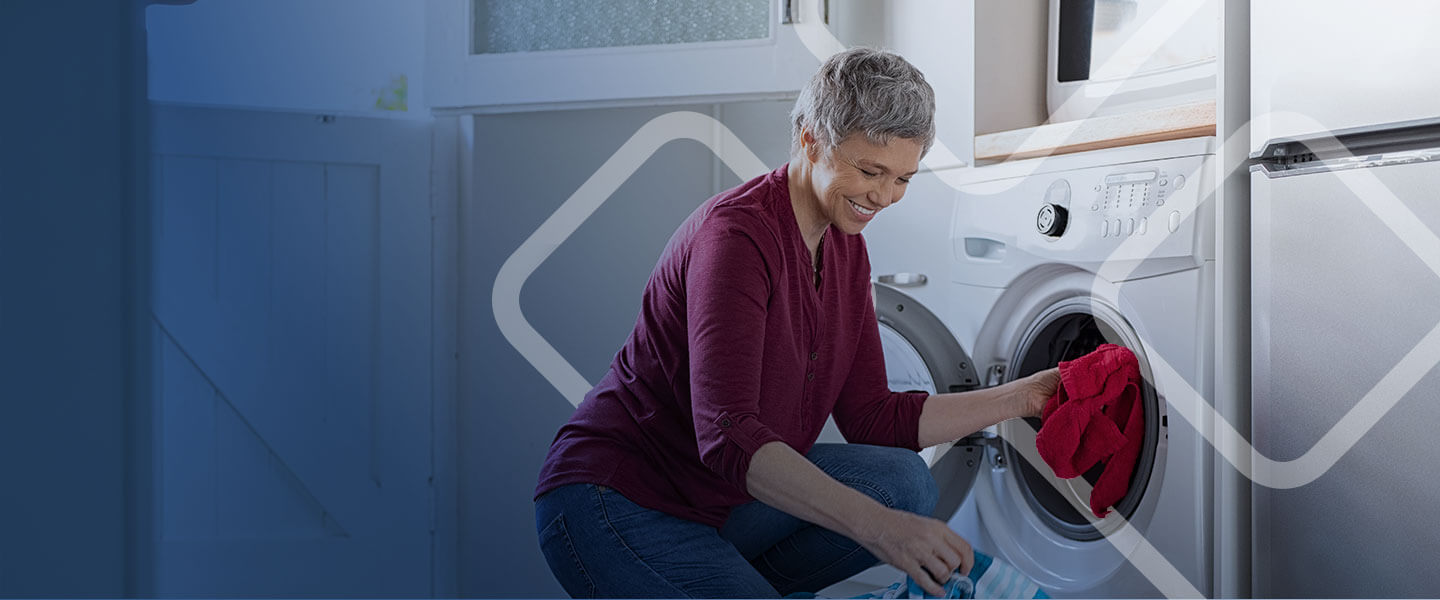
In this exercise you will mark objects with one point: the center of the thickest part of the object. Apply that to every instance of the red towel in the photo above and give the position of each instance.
(1095, 415)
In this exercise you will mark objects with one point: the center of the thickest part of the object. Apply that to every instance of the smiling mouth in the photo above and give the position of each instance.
(862, 210)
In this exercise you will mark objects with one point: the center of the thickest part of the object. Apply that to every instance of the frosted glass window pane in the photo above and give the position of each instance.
(529, 25)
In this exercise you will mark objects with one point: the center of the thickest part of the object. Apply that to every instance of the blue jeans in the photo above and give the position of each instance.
(600, 544)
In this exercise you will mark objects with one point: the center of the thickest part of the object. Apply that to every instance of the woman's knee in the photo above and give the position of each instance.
(896, 477)
(915, 487)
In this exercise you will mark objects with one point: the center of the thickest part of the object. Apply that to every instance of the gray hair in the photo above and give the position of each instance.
(863, 90)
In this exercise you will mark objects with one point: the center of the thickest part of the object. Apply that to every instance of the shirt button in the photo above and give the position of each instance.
(725, 422)
(814, 355)
(809, 377)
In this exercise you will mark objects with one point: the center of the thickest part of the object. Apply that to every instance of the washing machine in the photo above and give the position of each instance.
(1041, 261)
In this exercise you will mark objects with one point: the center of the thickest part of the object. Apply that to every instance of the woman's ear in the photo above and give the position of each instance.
(810, 145)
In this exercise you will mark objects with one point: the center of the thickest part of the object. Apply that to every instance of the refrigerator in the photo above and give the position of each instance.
(1345, 290)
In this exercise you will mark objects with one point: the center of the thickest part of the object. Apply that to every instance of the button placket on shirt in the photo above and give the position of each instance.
(814, 352)
(814, 309)
(816, 317)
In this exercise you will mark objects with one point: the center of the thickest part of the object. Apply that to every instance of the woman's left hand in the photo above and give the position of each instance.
(1031, 393)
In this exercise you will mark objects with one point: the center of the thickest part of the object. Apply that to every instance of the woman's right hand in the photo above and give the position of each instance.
(926, 549)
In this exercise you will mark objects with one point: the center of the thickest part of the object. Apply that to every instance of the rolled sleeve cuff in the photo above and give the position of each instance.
(909, 405)
(739, 437)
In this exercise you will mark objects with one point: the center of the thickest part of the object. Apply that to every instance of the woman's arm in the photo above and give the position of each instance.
(949, 417)
(782, 478)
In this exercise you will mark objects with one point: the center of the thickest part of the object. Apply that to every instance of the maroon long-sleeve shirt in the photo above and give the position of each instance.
(734, 348)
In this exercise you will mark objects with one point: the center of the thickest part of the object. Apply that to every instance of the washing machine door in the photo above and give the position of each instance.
(922, 355)
(1042, 525)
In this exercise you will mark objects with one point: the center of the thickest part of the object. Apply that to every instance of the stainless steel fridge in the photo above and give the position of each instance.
(1345, 283)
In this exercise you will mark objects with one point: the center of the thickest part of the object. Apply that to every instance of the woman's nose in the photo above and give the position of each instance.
(884, 195)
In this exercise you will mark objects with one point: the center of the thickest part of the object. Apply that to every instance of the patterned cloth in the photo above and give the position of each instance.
(989, 578)
(959, 586)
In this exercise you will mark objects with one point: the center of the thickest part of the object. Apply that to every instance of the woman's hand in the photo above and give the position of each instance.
(924, 548)
(1031, 393)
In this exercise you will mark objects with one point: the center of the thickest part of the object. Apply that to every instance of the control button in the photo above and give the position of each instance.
(1174, 221)
(1130, 227)
(1098, 188)
(1104, 228)
(1143, 226)
(1179, 181)
(1164, 182)
(1094, 207)
(1115, 228)
(1160, 201)
(814, 355)
(810, 377)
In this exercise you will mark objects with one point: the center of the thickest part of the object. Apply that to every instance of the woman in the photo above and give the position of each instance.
(691, 469)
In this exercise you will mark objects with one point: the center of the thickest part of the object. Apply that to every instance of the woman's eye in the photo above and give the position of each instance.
(868, 173)
(902, 181)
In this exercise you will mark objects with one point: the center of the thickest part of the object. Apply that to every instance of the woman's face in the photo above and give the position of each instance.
(857, 179)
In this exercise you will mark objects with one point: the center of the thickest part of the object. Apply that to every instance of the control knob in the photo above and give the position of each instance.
(1052, 220)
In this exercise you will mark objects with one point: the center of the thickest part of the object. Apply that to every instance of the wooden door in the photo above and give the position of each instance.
(292, 303)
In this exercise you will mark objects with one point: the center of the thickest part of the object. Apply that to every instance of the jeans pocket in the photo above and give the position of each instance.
(564, 562)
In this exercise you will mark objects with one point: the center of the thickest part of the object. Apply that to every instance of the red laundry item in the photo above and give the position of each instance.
(1095, 415)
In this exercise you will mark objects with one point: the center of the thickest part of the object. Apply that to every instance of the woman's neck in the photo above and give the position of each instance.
(805, 204)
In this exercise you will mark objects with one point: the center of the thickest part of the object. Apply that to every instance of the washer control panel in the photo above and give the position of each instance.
(1141, 216)
(1125, 201)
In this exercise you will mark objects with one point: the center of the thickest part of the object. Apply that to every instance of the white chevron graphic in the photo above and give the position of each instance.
(505, 295)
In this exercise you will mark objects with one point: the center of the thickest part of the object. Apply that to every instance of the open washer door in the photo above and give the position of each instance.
(1042, 524)
(922, 355)
(1067, 330)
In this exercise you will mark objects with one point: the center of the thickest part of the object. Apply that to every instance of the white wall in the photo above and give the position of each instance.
(336, 56)
(937, 37)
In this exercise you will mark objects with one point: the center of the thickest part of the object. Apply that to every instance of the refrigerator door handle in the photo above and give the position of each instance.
(1274, 169)
(1355, 148)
